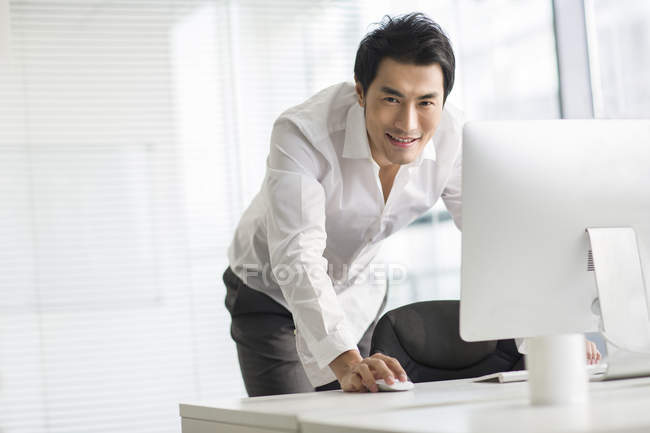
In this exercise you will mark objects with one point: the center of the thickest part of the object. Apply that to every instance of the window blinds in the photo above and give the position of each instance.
(118, 187)
(132, 134)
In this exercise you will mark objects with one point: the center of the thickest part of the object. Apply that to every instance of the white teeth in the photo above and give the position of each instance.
(408, 140)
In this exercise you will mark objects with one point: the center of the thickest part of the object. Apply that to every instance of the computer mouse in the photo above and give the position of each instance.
(396, 386)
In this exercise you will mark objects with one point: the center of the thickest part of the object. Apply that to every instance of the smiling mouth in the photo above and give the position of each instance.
(403, 142)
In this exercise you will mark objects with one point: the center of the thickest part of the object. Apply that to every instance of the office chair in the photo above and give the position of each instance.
(425, 339)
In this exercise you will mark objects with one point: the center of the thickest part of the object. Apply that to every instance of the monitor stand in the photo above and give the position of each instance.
(557, 372)
(623, 301)
(556, 363)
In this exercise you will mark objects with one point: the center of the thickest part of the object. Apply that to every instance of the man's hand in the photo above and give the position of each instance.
(356, 374)
(593, 355)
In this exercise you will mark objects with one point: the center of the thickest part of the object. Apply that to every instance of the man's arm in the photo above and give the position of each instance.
(296, 237)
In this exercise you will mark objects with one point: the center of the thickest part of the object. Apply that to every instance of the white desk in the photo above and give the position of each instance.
(282, 412)
(451, 406)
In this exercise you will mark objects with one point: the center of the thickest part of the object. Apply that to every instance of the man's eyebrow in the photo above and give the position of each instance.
(391, 91)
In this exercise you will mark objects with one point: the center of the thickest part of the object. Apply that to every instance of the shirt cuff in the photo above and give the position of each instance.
(330, 347)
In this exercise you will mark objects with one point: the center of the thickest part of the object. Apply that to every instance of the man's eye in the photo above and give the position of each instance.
(427, 103)
(389, 99)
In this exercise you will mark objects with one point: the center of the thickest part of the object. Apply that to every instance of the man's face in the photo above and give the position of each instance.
(403, 108)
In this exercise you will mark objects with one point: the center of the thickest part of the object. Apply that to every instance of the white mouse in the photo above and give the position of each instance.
(396, 386)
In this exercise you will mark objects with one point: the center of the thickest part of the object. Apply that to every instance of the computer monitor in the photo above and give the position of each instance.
(530, 190)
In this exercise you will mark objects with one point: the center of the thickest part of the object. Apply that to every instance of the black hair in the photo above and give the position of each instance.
(412, 38)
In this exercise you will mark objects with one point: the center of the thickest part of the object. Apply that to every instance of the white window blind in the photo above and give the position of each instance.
(619, 47)
(284, 53)
(119, 187)
(508, 57)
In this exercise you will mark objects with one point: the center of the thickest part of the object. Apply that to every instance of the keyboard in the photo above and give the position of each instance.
(593, 371)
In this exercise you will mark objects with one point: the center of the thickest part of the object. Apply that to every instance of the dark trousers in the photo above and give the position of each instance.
(263, 331)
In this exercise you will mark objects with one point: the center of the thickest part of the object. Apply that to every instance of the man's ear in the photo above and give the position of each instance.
(359, 89)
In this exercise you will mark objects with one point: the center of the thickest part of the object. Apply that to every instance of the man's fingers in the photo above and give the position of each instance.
(593, 355)
(352, 382)
(367, 378)
(597, 355)
(393, 366)
(356, 384)
(397, 369)
(380, 370)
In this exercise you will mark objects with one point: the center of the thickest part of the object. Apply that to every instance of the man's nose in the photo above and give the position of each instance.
(407, 119)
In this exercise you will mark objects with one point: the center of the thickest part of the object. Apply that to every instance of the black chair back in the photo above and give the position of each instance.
(424, 337)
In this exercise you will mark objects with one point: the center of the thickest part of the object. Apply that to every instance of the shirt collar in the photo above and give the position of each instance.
(356, 145)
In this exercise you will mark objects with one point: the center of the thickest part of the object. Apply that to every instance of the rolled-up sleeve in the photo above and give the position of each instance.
(296, 203)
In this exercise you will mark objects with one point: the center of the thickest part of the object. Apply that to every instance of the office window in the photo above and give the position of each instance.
(119, 189)
(619, 43)
(507, 51)
(282, 53)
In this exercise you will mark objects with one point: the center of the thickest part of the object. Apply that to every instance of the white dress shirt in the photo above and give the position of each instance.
(309, 237)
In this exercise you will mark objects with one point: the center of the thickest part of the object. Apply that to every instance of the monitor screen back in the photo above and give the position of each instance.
(530, 189)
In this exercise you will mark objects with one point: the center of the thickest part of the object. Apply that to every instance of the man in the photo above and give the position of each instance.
(347, 168)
